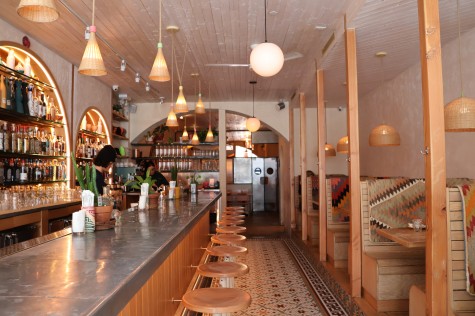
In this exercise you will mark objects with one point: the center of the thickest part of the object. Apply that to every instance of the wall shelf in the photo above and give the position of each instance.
(117, 116)
(91, 134)
(25, 119)
(119, 137)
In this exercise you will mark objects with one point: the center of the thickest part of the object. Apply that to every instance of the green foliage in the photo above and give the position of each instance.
(194, 178)
(139, 180)
(86, 177)
(174, 172)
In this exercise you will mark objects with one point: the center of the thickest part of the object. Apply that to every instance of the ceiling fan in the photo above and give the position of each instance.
(287, 56)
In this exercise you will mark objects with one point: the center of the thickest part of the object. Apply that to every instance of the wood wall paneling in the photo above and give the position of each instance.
(303, 165)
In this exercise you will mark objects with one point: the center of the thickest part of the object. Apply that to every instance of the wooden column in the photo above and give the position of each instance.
(322, 188)
(303, 165)
(354, 260)
(434, 142)
(293, 223)
(222, 156)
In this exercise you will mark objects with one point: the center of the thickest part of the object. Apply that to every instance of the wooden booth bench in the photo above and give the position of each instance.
(389, 269)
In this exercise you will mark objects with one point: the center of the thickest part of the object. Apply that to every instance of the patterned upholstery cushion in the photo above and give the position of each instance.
(393, 203)
(340, 198)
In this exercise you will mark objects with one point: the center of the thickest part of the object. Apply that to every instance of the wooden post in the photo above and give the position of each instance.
(354, 260)
(293, 223)
(435, 169)
(303, 165)
(322, 188)
(222, 156)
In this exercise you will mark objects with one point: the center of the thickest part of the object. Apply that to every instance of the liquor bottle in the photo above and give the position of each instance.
(26, 140)
(48, 108)
(11, 94)
(31, 107)
(13, 146)
(2, 170)
(30, 170)
(38, 173)
(9, 171)
(1, 142)
(19, 139)
(35, 144)
(23, 171)
(18, 96)
(46, 170)
(43, 106)
(3, 93)
(17, 168)
(8, 93)
(43, 143)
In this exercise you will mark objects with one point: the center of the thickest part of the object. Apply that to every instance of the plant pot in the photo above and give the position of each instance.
(103, 213)
(153, 200)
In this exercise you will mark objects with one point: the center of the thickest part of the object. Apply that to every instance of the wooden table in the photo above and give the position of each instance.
(404, 236)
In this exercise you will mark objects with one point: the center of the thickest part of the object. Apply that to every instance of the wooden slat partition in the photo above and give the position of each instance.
(172, 278)
(435, 164)
(303, 163)
(322, 136)
(354, 259)
(459, 300)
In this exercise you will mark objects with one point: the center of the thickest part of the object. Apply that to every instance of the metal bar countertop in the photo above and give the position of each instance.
(97, 273)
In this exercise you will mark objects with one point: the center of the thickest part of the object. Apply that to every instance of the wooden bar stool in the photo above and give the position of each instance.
(234, 208)
(228, 253)
(229, 222)
(233, 212)
(233, 217)
(217, 301)
(224, 271)
(230, 229)
(228, 239)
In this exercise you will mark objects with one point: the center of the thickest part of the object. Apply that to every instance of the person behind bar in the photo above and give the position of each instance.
(102, 162)
(155, 175)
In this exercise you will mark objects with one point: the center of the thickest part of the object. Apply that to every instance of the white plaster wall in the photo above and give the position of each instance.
(149, 114)
(398, 102)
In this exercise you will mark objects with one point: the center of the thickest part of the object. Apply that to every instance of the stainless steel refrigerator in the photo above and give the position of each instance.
(265, 184)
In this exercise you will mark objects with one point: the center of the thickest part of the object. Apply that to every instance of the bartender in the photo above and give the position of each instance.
(159, 178)
(102, 162)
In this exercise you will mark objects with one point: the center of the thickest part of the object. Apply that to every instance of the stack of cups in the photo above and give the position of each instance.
(171, 192)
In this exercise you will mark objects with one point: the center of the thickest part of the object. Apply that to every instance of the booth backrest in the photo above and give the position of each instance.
(460, 300)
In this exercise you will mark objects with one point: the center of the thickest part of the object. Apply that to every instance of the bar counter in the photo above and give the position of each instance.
(98, 273)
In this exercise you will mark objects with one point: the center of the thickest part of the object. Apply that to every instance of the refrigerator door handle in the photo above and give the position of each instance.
(264, 180)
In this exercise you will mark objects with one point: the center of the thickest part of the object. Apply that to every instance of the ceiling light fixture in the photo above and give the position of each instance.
(209, 135)
(330, 150)
(460, 113)
(252, 123)
(137, 77)
(384, 135)
(180, 105)
(195, 140)
(200, 107)
(38, 10)
(159, 70)
(342, 146)
(92, 63)
(267, 59)
(184, 136)
(171, 119)
(123, 65)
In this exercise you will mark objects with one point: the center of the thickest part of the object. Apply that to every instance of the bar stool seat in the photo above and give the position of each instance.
(216, 300)
(229, 222)
(228, 239)
(227, 252)
(224, 271)
(233, 217)
(242, 212)
(234, 208)
(230, 229)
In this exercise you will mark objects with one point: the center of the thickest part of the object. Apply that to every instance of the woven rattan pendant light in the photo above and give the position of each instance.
(159, 70)
(209, 135)
(184, 136)
(171, 119)
(195, 140)
(92, 63)
(252, 123)
(200, 107)
(329, 150)
(180, 105)
(342, 145)
(460, 113)
(38, 10)
(384, 135)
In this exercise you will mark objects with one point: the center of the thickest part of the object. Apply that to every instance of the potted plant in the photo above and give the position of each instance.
(194, 182)
(137, 183)
(159, 133)
(86, 176)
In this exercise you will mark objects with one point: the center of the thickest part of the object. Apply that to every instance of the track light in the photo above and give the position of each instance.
(280, 105)
(137, 77)
(87, 33)
(147, 87)
(123, 65)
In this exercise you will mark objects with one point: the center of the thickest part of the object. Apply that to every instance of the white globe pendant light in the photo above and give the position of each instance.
(266, 59)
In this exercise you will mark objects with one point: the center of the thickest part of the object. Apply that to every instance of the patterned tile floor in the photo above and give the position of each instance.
(277, 283)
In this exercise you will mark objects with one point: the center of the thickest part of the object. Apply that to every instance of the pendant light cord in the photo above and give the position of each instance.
(173, 55)
(265, 21)
(209, 98)
(180, 76)
(253, 100)
(160, 21)
(93, 10)
(460, 50)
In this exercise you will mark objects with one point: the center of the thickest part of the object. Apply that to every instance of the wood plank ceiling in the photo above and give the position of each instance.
(221, 31)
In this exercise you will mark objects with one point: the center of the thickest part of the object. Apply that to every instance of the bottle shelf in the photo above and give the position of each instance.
(189, 171)
(91, 134)
(176, 144)
(12, 72)
(24, 119)
(117, 116)
(12, 183)
(84, 158)
(182, 157)
(29, 156)
(123, 157)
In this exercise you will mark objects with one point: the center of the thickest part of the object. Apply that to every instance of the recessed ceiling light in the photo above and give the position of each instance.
(273, 12)
(320, 27)
(381, 54)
